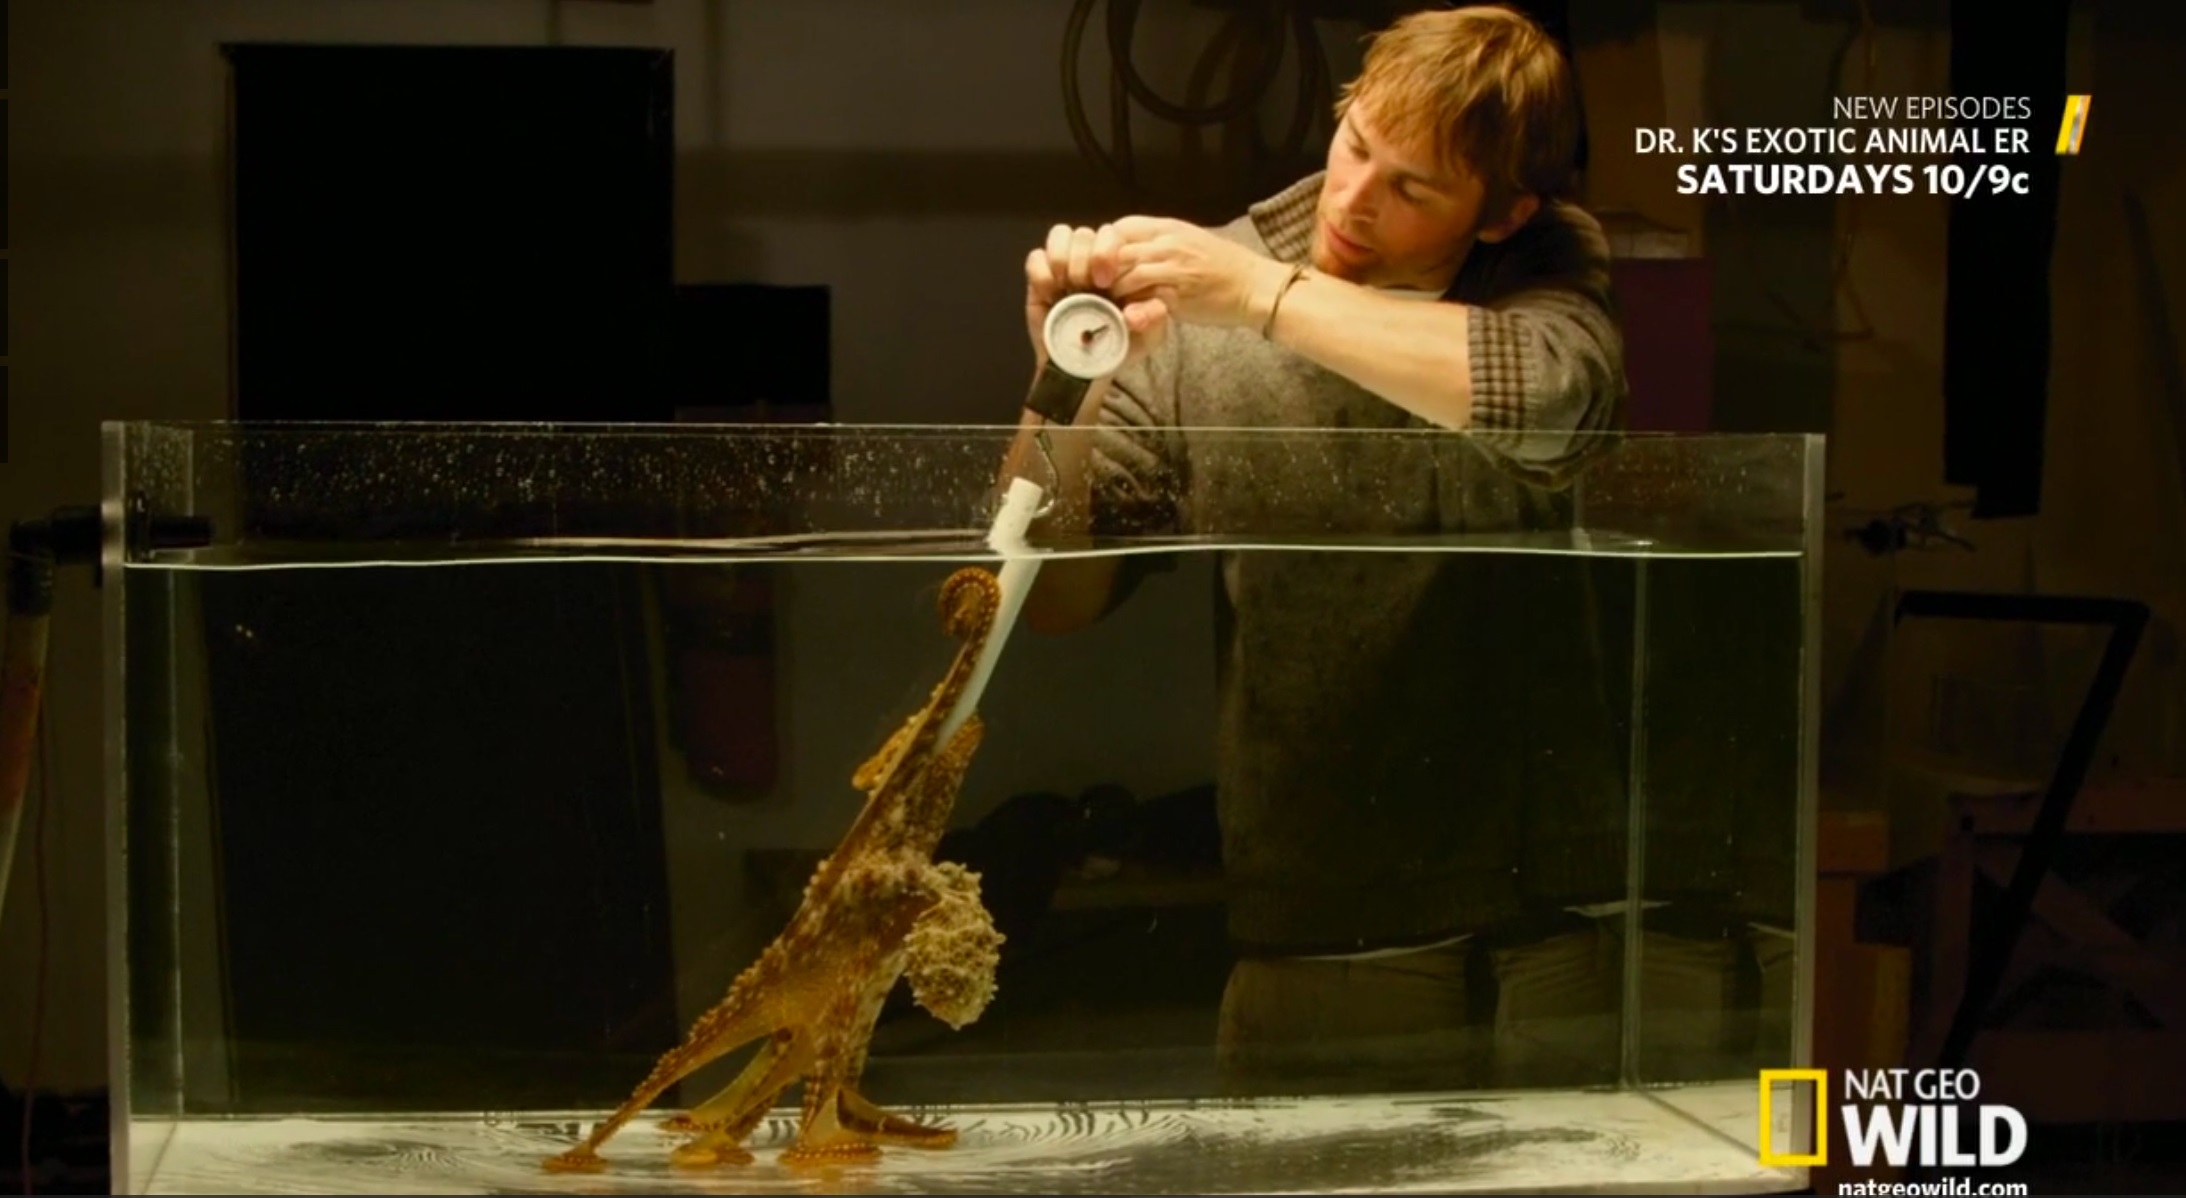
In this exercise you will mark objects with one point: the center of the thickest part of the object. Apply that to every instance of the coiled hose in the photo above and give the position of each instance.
(1254, 39)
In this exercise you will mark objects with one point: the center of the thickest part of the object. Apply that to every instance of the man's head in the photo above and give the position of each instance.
(1461, 123)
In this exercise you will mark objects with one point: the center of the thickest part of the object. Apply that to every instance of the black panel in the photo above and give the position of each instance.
(451, 233)
(741, 345)
(409, 764)
(415, 772)
(1996, 348)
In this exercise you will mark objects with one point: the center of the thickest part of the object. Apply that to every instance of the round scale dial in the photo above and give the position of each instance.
(1086, 336)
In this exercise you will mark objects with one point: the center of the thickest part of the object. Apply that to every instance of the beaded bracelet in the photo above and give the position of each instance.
(1267, 329)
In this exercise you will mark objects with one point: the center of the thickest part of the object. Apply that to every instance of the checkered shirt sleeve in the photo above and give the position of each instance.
(1548, 381)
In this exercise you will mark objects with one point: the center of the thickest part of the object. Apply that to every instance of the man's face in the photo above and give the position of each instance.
(1390, 215)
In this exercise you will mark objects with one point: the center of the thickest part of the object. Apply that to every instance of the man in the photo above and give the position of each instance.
(1386, 753)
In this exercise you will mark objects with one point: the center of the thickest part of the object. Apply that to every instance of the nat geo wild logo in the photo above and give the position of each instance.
(1898, 1117)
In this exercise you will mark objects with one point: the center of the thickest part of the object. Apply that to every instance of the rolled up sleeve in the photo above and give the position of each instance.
(1548, 381)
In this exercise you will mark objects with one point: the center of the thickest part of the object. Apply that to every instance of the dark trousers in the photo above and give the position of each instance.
(1467, 1017)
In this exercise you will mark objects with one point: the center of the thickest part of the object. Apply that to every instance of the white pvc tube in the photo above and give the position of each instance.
(1020, 565)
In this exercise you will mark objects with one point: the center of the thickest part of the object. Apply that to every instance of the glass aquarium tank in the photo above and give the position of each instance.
(650, 809)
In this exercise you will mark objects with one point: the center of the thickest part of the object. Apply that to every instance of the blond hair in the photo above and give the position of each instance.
(1483, 85)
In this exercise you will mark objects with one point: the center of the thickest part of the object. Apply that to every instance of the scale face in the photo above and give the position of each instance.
(1086, 336)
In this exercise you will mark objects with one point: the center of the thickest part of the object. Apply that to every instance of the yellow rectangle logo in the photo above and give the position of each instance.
(2074, 126)
(1799, 1090)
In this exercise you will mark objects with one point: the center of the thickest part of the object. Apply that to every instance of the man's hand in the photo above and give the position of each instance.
(1200, 276)
(1076, 260)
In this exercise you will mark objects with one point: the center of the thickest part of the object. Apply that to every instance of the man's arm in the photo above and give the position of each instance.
(1070, 593)
(1532, 364)
(1412, 353)
(1532, 373)
(1119, 469)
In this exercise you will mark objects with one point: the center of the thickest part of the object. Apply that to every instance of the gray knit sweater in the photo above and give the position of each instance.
(1412, 745)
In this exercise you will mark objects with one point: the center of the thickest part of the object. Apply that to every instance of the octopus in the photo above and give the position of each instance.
(877, 909)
